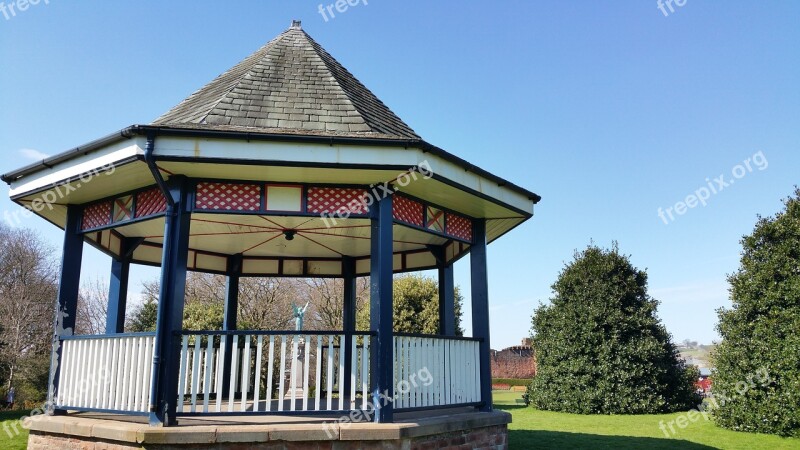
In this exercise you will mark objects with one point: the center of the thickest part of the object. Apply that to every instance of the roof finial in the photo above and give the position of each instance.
(296, 24)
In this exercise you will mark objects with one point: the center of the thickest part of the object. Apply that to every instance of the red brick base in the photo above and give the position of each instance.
(488, 438)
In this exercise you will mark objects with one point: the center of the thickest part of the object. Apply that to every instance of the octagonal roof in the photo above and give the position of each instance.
(287, 118)
(290, 85)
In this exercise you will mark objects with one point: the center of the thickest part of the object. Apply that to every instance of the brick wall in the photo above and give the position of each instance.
(487, 438)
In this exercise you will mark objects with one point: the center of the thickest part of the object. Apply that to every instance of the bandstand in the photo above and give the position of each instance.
(283, 166)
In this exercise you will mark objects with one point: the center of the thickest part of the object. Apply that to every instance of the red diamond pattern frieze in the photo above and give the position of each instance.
(96, 215)
(459, 227)
(407, 210)
(228, 196)
(332, 200)
(150, 202)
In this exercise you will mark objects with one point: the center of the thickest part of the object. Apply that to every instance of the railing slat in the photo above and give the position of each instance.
(257, 378)
(234, 367)
(220, 364)
(282, 373)
(353, 372)
(341, 373)
(196, 358)
(293, 374)
(245, 372)
(270, 366)
(318, 377)
(306, 362)
(208, 371)
(182, 376)
(364, 374)
(329, 379)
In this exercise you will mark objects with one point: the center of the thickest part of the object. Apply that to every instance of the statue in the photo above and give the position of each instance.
(298, 314)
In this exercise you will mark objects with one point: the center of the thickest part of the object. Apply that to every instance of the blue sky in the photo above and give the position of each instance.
(608, 110)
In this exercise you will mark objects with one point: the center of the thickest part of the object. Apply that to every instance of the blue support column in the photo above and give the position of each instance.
(382, 346)
(229, 317)
(348, 322)
(67, 299)
(447, 296)
(166, 359)
(118, 288)
(480, 307)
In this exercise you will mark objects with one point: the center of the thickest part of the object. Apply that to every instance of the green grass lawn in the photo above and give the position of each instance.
(544, 429)
(12, 435)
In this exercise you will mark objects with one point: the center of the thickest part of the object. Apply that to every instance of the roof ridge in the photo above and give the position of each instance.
(290, 84)
(335, 66)
(256, 56)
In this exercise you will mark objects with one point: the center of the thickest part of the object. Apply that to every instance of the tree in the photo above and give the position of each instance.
(600, 347)
(92, 307)
(757, 376)
(415, 306)
(326, 310)
(28, 291)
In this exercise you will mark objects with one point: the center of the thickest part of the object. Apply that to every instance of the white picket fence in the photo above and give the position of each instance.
(268, 372)
(271, 373)
(108, 373)
(435, 371)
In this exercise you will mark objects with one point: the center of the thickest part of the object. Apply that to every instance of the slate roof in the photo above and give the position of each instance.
(291, 85)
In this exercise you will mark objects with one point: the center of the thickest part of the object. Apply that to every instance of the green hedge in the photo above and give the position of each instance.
(512, 381)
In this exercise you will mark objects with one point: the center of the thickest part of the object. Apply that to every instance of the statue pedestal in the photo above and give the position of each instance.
(296, 362)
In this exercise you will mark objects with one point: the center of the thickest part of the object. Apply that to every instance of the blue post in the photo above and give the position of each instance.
(166, 359)
(382, 347)
(447, 297)
(229, 316)
(348, 322)
(480, 307)
(118, 289)
(67, 300)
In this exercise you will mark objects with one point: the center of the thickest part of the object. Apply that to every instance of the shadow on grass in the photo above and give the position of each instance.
(524, 439)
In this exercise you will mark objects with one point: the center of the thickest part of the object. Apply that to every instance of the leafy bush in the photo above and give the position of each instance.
(758, 361)
(600, 347)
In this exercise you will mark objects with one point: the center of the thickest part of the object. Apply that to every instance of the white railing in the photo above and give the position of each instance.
(106, 372)
(436, 371)
(271, 372)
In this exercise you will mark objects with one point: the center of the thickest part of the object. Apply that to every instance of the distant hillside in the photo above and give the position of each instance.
(696, 354)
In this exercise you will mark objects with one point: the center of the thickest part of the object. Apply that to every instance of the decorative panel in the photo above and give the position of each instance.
(150, 202)
(96, 215)
(434, 219)
(228, 196)
(458, 226)
(333, 200)
(284, 198)
(123, 208)
(407, 210)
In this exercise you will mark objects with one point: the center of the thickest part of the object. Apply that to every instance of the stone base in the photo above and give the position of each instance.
(464, 431)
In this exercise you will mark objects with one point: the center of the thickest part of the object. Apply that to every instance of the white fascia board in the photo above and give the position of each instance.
(100, 159)
(306, 153)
